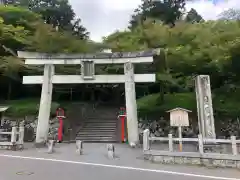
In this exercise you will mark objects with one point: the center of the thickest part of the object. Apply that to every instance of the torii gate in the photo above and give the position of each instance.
(87, 62)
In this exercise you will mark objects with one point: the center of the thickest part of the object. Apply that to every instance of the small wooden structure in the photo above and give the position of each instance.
(179, 118)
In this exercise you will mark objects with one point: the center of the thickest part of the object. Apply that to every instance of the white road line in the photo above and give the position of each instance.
(120, 167)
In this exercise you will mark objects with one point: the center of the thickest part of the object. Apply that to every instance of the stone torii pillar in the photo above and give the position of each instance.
(45, 105)
(131, 104)
(204, 107)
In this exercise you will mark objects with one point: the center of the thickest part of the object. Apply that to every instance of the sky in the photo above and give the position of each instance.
(103, 17)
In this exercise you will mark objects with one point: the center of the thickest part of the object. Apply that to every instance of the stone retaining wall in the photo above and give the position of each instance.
(196, 160)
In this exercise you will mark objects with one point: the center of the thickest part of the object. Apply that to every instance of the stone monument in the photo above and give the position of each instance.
(204, 107)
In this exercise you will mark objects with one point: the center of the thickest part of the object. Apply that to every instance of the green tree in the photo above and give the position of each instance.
(78, 30)
(230, 14)
(193, 16)
(11, 37)
(168, 11)
(57, 13)
(209, 47)
(18, 16)
(21, 29)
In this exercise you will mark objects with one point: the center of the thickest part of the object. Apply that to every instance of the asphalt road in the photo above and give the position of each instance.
(66, 165)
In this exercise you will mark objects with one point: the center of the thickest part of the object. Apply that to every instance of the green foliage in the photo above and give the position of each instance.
(210, 47)
(21, 108)
(57, 13)
(22, 29)
(150, 105)
(230, 14)
(193, 16)
(46, 39)
(167, 11)
(224, 106)
(18, 16)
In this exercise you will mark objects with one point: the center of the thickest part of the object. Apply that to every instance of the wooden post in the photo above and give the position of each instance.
(200, 144)
(180, 138)
(170, 142)
(14, 135)
(146, 134)
(234, 145)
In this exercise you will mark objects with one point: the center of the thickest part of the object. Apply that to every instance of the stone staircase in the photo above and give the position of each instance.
(99, 126)
(75, 119)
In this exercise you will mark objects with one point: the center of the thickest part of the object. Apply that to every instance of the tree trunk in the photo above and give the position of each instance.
(93, 95)
(9, 90)
(83, 93)
(161, 92)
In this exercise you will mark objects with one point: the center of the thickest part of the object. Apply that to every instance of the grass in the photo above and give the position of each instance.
(223, 105)
(25, 107)
(183, 100)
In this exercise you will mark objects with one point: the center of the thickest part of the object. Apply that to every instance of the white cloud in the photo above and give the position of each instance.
(102, 17)
(210, 11)
(121, 4)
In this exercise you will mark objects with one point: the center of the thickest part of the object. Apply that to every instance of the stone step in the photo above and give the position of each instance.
(80, 133)
(100, 126)
(98, 118)
(95, 125)
(97, 130)
(100, 122)
(93, 136)
(97, 122)
(97, 139)
(102, 114)
(89, 128)
(89, 136)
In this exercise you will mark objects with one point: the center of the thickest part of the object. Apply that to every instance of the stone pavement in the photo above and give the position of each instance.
(94, 164)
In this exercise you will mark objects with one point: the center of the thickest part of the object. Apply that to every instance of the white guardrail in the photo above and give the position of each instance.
(200, 141)
(17, 136)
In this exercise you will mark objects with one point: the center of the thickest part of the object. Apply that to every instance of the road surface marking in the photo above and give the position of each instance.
(120, 167)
